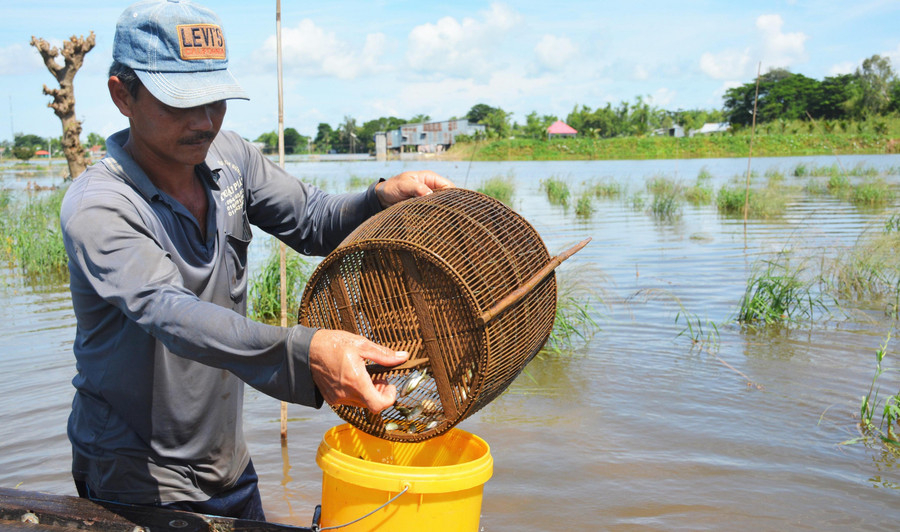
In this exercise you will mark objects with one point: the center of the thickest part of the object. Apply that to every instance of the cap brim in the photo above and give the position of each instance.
(191, 89)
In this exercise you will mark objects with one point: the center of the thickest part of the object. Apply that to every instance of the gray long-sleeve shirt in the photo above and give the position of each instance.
(162, 344)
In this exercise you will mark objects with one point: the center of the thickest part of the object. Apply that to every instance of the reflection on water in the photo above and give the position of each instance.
(639, 427)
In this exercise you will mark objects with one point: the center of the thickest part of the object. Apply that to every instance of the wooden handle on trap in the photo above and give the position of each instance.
(529, 285)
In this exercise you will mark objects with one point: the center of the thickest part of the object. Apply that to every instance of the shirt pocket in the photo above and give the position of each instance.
(236, 261)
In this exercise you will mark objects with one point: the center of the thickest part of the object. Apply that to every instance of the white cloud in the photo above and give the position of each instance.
(773, 48)
(460, 48)
(554, 53)
(662, 97)
(640, 73)
(20, 59)
(779, 49)
(728, 64)
(847, 67)
(894, 55)
(312, 51)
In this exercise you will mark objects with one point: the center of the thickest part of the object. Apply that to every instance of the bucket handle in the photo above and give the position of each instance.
(513, 297)
(317, 528)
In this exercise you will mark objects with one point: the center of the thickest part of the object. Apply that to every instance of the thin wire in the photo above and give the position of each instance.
(405, 488)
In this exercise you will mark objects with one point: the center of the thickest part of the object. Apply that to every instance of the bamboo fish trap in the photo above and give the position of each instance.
(457, 279)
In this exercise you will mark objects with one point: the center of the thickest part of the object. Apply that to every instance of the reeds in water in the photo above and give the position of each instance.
(557, 190)
(32, 238)
(265, 287)
(779, 292)
(501, 188)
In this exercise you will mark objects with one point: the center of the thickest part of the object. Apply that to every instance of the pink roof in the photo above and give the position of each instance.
(561, 128)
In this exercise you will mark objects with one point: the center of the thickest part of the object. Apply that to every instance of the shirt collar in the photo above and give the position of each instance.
(128, 169)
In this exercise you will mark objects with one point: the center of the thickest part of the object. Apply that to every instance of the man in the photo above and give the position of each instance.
(157, 236)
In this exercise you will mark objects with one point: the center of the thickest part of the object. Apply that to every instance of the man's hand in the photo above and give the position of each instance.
(337, 360)
(409, 185)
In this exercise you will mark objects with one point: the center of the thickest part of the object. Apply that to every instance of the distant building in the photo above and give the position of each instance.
(561, 129)
(426, 137)
(674, 131)
(712, 127)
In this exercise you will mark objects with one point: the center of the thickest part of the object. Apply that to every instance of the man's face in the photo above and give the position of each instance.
(171, 134)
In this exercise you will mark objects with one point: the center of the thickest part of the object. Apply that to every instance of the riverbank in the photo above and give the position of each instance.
(635, 148)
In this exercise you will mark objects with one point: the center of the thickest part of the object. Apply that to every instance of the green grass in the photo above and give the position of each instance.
(557, 190)
(887, 429)
(265, 287)
(32, 239)
(605, 188)
(701, 192)
(872, 192)
(764, 203)
(574, 323)
(356, 182)
(501, 188)
(779, 292)
(584, 207)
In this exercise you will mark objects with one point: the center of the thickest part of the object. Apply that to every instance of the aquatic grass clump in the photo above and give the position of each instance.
(839, 185)
(574, 320)
(606, 188)
(869, 270)
(801, 170)
(33, 238)
(887, 430)
(872, 193)
(779, 293)
(701, 192)
(584, 207)
(667, 194)
(557, 191)
(265, 287)
(358, 182)
(763, 203)
(501, 188)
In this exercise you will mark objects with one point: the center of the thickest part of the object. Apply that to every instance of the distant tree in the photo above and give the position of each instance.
(293, 140)
(324, 137)
(366, 132)
(876, 77)
(23, 152)
(269, 141)
(497, 123)
(95, 139)
(348, 136)
(63, 103)
(419, 119)
(536, 126)
(479, 112)
(29, 141)
(834, 97)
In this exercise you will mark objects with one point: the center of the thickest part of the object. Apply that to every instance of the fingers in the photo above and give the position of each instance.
(410, 185)
(337, 361)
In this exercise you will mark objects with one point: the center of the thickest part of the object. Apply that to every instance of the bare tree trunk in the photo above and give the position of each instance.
(63, 103)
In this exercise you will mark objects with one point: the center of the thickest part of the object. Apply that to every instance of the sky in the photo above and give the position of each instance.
(374, 58)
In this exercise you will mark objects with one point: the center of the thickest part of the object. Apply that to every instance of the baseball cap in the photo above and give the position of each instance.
(177, 49)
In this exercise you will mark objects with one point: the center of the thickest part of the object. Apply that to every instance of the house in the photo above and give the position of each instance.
(560, 129)
(712, 127)
(674, 131)
(426, 137)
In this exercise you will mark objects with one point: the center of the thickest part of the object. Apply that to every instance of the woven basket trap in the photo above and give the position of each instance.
(457, 279)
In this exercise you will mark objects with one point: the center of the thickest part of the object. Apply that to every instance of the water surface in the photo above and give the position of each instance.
(638, 429)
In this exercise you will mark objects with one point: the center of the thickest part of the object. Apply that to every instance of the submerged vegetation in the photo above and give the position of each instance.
(501, 188)
(265, 287)
(32, 239)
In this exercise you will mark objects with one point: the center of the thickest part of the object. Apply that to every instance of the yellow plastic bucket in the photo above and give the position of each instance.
(443, 479)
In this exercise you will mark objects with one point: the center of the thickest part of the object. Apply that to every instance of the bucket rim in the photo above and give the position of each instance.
(394, 478)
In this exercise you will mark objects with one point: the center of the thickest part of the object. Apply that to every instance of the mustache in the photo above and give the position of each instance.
(199, 137)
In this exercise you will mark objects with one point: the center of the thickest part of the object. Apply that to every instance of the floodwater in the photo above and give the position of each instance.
(638, 428)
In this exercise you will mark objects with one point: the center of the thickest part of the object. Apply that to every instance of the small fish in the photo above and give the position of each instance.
(391, 426)
(403, 410)
(415, 378)
(431, 424)
(429, 406)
